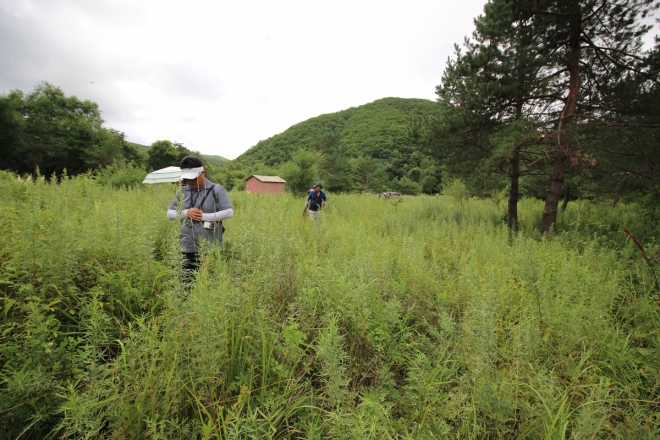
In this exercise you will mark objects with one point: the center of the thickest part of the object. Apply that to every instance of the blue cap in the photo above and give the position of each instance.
(318, 184)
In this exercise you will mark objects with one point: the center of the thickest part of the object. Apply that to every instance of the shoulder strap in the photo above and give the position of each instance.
(184, 197)
(208, 190)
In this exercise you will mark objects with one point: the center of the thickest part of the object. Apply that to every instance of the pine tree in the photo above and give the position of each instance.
(587, 45)
(546, 63)
(496, 82)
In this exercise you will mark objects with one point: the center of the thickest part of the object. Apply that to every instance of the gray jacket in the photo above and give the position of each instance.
(214, 202)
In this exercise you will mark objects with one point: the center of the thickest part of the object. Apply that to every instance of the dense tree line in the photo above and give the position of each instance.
(557, 93)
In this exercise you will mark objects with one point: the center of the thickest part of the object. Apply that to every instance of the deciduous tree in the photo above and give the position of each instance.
(302, 171)
(166, 153)
(48, 131)
(62, 132)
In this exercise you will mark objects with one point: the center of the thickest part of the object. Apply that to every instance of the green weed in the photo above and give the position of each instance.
(420, 319)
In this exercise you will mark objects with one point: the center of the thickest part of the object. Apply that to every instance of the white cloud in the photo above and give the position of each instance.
(219, 75)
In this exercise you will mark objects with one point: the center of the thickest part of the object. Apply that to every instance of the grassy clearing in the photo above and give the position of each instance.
(413, 318)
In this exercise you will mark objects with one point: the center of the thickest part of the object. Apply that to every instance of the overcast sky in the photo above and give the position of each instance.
(219, 76)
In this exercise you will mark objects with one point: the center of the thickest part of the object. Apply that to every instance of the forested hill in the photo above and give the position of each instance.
(378, 130)
(210, 158)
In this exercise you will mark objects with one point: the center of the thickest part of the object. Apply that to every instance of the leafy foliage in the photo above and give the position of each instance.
(120, 174)
(48, 132)
(302, 169)
(207, 158)
(165, 153)
(71, 275)
(328, 331)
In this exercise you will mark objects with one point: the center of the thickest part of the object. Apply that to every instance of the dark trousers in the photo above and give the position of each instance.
(190, 265)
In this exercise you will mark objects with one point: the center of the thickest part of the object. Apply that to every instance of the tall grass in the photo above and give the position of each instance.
(76, 265)
(413, 318)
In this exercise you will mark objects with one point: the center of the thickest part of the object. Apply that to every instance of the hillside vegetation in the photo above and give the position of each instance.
(214, 159)
(365, 148)
(378, 129)
(330, 331)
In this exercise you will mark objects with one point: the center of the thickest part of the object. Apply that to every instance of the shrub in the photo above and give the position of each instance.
(121, 174)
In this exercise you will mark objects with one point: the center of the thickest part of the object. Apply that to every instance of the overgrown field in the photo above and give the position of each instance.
(409, 319)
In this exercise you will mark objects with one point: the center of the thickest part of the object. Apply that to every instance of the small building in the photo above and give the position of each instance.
(264, 184)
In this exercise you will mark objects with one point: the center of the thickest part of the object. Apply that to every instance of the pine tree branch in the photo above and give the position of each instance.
(595, 12)
(600, 51)
(554, 14)
(539, 160)
(557, 73)
(552, 95)
(629, 171)
(627, 54)
(622, 124)
(589, 106)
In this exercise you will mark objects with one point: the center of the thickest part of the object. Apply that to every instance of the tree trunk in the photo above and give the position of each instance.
(564, 129)
(567, 198)
(512, 216)
(552, 200)
(514, 174)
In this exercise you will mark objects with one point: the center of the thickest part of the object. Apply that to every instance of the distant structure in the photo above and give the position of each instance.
(264, 184)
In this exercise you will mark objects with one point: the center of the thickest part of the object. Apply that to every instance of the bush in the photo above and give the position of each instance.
(121, 174)
(406, 186)
(456, 189)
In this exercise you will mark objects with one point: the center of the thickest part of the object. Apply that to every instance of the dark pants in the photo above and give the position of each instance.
(190, 266)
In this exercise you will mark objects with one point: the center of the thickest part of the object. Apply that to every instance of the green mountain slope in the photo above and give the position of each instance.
(214, 159)
(378, 130)
(140, 147)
